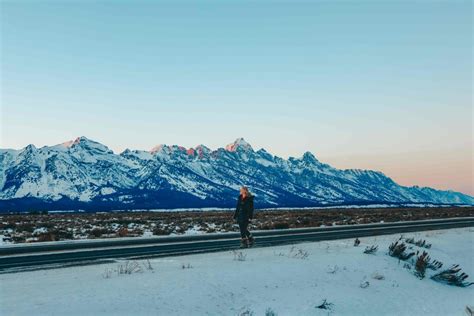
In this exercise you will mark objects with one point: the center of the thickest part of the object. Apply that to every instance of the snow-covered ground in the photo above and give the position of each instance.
(288, 280)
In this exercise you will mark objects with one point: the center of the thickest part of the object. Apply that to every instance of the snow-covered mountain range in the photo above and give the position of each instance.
(84, 174)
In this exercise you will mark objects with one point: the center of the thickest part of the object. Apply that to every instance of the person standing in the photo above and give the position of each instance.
(244, 214)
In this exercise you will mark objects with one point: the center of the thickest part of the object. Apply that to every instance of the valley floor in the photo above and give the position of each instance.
(288, 280)
(36, 227)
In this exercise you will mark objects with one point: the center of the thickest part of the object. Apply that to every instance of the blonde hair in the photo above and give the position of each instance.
(247, 191)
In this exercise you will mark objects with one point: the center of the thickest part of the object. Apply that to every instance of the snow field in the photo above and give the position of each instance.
(290, 280)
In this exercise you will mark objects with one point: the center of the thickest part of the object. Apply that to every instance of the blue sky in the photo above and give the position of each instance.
(384, 85)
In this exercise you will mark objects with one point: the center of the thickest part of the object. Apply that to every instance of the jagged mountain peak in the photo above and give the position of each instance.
(263, 153)
(68, 143)
(200, 150)
(30, 147)
(159, 148)
(84, 171)
(76, 141)
(29, 151)
(309, 157)
(203, 148)
(173, 149)
(239, 145)
(87, 144)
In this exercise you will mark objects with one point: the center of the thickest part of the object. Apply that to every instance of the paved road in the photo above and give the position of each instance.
(33, 256)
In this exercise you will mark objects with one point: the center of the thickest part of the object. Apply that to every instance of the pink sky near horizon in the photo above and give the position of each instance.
(452, 170)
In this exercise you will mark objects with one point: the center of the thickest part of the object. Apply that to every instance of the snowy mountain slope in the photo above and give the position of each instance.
(86, 174)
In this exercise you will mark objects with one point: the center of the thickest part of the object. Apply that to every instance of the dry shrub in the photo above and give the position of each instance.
(129, 267)
(371, 249)
(421, 264)
(397, 250)
(452, 276)
(325, 305)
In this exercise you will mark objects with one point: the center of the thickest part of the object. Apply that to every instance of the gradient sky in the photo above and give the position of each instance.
(383, 85)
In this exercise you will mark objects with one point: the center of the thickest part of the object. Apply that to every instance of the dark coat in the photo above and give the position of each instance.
(244, 209)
